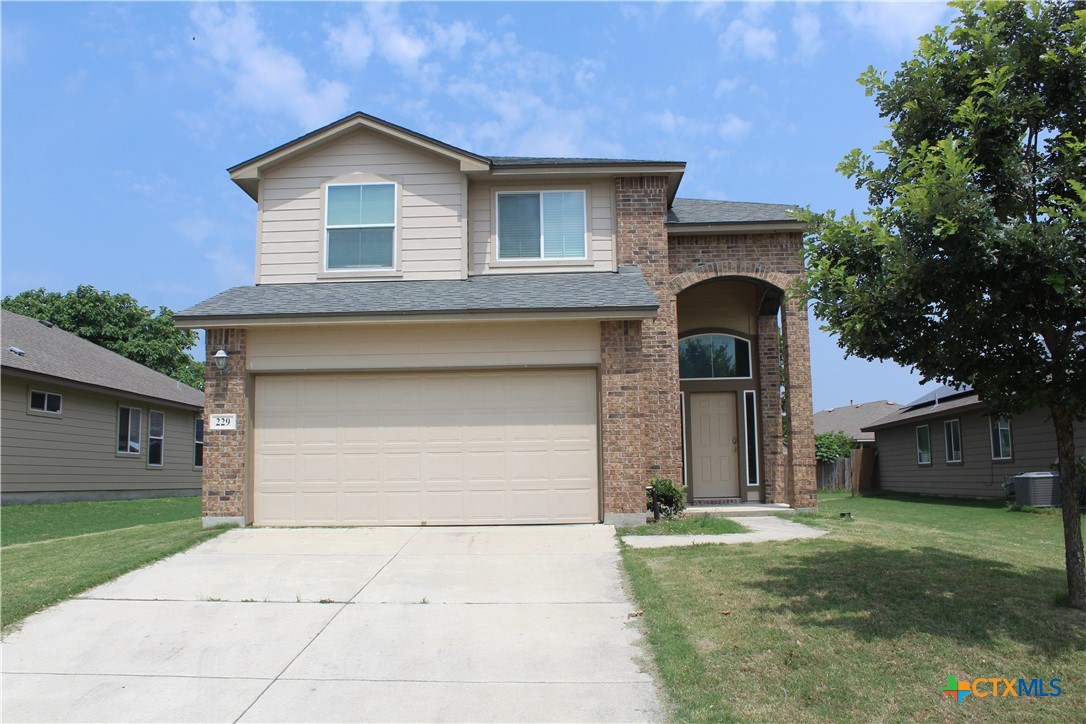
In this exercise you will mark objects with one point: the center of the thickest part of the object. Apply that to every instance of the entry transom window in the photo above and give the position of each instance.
(714, 356)
(541, 225)
(361, 226)
(1001, 438)
(45, 402)
(128, 430)
(953, 432)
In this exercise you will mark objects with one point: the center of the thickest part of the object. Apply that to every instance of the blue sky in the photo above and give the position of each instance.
(119, 120)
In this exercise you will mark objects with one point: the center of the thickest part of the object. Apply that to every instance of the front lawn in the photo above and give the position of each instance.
(865, 624)
(691, 524)
(58, 551)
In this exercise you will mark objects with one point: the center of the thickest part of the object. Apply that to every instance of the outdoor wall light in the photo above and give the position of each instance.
(220, 359)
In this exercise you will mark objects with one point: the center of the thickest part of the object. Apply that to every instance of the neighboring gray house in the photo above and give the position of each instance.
(946, 443)
(83, 423)
(851, 419)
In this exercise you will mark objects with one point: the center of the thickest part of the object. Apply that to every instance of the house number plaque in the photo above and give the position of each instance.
(224, 422)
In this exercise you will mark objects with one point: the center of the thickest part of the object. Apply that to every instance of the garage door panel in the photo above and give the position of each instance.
(468, 447)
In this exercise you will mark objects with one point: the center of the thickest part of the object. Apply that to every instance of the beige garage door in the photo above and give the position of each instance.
(433, 448)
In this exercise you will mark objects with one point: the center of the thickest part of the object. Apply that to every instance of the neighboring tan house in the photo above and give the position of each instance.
(83, 423)
(851, 419)
(439, 337)
(946, 443)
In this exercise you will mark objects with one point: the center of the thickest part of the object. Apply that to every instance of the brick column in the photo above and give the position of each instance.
(641, 233)
(801, 448)
(769, 360)
(225, 451)
(622, 433)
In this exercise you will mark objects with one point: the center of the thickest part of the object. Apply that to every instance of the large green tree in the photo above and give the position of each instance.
(970, 262)
(118, 323)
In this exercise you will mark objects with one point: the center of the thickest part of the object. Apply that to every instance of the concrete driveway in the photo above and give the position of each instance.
(372, 624)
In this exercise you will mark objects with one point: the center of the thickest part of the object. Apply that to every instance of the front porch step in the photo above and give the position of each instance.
(739, 510)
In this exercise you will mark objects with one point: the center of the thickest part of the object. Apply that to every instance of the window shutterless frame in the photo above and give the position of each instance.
(542, 258)
(156, 439)
(394, 226)
(45, 403)
(129, 424)
(923, 445)
(1001, 438)
(952, 438)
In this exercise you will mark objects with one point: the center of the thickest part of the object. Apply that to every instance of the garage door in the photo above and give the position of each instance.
(487, 447)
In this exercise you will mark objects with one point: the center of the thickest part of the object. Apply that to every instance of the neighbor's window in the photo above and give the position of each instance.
(541, 225)
(156, 432)
(923, 445)
(128, 430)
(45, 402)
(952, 430)
(360, 220)
(1001, 438)
(198, 447)
(714, 356)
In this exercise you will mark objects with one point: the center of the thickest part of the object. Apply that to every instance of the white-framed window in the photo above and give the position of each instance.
(750, 410)
(541, 225)
(129, 420)
(952, 432)
(923, 445)
(156, 438)
(46, 402)
(360, 226)
(1001, 438)
(198, 443)
(714, 356)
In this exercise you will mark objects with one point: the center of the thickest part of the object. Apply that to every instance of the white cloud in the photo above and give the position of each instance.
(732, 127)
(263, 76)
(808, 31)
(897, 24)
(750, 34)
(724, 86)
(670, 122)
(350, 43)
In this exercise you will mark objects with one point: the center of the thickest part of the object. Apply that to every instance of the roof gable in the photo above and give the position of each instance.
(51, 352)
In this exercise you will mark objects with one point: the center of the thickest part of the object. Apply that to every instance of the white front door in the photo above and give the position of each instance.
(714, 445)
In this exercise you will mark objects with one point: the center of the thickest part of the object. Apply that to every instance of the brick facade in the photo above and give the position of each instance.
(226, 451)
(671, 266)
(622, 432)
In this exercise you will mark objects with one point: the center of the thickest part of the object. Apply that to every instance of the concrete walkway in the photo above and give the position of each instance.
(762, 528)
(391, 624)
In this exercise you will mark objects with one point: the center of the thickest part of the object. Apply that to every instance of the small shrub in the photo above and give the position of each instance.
(832, 445)
(672, 497)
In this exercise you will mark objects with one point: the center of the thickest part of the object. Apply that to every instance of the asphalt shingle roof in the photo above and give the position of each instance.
(55, 353)
(707, 211)
(850, 419)
(518, 161)
(625, 291)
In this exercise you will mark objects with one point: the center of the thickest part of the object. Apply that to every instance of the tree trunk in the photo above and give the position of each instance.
(1069, 492)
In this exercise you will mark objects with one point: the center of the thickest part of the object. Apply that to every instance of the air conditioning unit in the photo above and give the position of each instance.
(1038, 490)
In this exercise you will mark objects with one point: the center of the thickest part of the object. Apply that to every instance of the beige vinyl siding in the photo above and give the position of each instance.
(1033, 443)
(291, 226)
(423, 346)
(76, 452)
(599, 211)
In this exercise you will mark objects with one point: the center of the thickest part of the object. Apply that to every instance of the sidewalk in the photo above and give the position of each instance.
(762, 528)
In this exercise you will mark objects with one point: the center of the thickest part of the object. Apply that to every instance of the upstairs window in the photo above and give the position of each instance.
(714, 356)
(48, 402)
(541, 225)
(360, 222)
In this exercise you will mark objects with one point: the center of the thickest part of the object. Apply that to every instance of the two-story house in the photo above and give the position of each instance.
(438, 337)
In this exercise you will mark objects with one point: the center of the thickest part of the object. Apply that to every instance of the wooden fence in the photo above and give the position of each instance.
(855, 473)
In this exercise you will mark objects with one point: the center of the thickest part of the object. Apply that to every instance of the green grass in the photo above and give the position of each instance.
(29, 523)
(866, 623)
(690, 525)
(116, 538)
